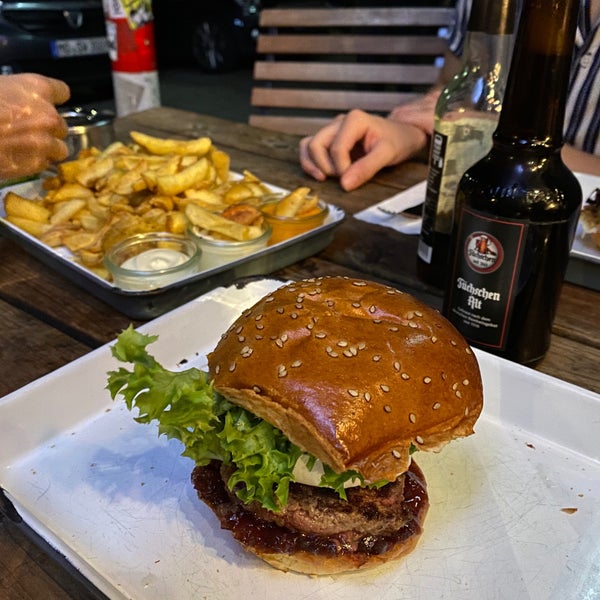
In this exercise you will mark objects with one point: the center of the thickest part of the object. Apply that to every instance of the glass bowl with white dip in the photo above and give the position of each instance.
(148, 261)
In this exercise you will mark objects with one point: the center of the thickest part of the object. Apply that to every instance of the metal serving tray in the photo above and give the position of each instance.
(152, 303)
(515, 508)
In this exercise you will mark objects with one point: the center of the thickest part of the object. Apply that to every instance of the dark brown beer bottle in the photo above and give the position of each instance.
(517, 208)
(466, 115)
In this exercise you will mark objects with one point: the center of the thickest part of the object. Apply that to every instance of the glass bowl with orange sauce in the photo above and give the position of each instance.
(284, 228)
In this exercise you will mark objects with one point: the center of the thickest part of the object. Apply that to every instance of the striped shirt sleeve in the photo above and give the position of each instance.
(456, 34)
(582, 117)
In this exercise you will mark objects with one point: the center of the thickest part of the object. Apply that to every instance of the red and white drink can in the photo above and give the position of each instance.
(130, 34)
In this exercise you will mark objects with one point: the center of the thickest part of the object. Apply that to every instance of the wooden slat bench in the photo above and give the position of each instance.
(316, 62)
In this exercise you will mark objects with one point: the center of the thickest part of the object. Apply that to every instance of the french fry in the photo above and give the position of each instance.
(186, 179)
(69, 191)
(23, 208)
(310, 203)
(96, 170)
(289, 205)
(35, 228)
(165, 202)
(204, 197)
(54, 236)
(69, 170)
(238, 192)
(204, 219)
(176, 222)
(154, 145)
(221, 162)
(80, 240)
(66, 210)
(91, 259)
(131, 181)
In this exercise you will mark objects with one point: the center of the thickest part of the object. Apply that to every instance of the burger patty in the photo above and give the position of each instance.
(317, 520)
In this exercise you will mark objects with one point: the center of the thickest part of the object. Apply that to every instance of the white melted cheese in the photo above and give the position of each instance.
(302, 474)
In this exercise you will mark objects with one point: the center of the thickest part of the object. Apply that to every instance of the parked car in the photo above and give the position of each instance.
(215, 36)
(52, 38)
(222, 36)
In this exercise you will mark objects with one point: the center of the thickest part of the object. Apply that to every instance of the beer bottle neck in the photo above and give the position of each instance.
(534, 104)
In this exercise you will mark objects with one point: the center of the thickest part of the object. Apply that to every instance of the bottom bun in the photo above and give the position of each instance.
(318, 533)
(311, 564)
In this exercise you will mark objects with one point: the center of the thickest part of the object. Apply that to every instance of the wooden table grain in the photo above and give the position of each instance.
(47, 321)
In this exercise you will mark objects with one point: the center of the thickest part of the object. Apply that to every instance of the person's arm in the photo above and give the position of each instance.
(580, 161)
(32, 132)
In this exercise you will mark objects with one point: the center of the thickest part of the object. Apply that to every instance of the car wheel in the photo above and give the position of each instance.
(213, 47)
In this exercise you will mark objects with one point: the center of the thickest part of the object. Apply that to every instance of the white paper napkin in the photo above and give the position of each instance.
(413, 196)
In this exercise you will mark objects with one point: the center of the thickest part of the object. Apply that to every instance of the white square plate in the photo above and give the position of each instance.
(515, 509)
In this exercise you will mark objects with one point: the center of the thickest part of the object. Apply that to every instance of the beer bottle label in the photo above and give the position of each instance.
(432, 195)
(458, 142)
(485, 277)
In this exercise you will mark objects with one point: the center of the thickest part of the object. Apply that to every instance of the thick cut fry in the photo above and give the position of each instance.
(310, 204)
(35, 228)
(186, 179)
(203, 219)
(54, 236)
(129, 181)
(65, 210)
(289, 205)
(221, 162)
(206, 198)
(17, 206)
(68, 171)
(238, 192)
(80, 240)
(96, 170)
(69, 191)
(165, 202)
(176, 222)
(91, 259)
(198, 147)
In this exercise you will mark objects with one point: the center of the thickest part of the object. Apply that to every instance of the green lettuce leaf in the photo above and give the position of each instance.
(188, 409)
(209, 427)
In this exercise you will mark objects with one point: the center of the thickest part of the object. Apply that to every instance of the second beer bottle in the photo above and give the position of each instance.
(466, 115)
(517, 208)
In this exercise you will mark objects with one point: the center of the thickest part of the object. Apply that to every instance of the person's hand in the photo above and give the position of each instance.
(356, 145)
(32, 132)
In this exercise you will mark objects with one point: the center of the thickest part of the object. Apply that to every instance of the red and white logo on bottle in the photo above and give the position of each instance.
(483, 252)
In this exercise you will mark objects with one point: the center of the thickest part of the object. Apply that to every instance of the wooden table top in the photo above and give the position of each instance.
(48, 321)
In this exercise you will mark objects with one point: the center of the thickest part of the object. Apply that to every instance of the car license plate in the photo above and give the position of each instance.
(79, 47)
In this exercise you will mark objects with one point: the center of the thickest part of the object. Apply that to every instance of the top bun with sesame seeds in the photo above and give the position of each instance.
(353, 372)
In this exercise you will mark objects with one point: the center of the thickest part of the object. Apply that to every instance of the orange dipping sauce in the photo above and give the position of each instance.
(285, 228)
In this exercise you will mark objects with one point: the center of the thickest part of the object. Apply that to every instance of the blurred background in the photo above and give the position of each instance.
(205, 49)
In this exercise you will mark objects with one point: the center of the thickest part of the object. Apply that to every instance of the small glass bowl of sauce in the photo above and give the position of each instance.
(285, 228)
(148, 261)
(216, 252)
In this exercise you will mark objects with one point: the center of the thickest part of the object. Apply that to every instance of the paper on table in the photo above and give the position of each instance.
(413, 196)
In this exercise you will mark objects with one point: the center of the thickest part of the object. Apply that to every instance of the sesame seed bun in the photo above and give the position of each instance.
(351, 371)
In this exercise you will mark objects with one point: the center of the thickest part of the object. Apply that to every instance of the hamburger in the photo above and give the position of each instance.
(305, 426)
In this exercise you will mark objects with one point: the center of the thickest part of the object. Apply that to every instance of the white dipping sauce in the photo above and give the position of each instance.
(156, 259)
